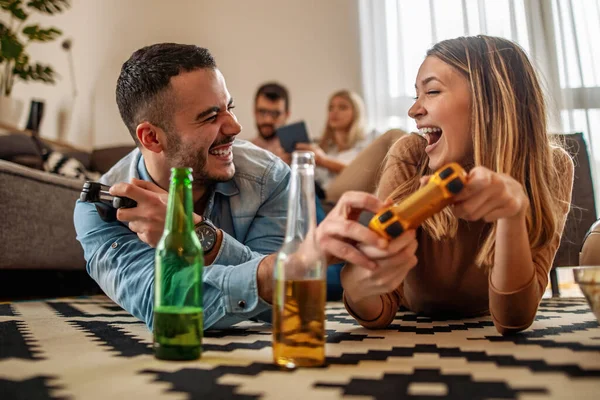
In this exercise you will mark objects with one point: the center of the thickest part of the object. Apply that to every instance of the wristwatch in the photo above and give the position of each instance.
(207, 234)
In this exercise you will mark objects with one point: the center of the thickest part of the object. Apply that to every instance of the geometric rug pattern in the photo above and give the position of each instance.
(89, 348)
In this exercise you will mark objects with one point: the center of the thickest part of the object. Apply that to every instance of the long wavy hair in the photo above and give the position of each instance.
(357, 127)
(509, 136)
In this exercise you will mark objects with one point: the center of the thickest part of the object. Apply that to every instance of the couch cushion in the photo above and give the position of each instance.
(20, 149)
(37, 229)
(83, 157)
(103, 159)
(28, 160)
(23, 149)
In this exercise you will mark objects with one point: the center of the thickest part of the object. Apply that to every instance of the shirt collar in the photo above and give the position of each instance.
(142, 171)
(228, 188)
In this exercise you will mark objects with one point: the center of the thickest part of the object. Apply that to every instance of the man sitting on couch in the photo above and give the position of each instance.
(176, 106)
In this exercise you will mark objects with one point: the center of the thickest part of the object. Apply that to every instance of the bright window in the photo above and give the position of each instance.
(560, 37)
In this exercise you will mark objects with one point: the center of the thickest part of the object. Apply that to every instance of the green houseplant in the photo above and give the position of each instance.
(15, 35)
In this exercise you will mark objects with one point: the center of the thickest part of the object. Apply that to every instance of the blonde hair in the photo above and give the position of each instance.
(357, 127)
(509, 136)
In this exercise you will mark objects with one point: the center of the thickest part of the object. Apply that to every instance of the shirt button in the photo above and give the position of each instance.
(241, 304)
(114, 245)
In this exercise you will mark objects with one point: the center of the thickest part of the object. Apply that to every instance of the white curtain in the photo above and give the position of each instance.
(560, 36)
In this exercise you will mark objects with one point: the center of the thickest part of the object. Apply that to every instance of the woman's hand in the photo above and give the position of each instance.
(392, 265)
(320, 155)
(490, 196)
(342, 238)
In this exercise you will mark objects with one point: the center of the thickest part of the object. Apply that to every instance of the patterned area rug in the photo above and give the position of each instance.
(89, 348)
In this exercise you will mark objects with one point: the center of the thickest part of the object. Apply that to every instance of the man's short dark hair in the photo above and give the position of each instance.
(142, 85)
(274, 91)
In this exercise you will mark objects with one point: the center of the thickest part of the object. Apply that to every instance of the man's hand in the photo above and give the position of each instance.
(148, 218)
(284, 155)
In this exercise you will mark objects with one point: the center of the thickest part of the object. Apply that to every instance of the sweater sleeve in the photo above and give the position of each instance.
(515, 311)
(400, 165)
(390, 303)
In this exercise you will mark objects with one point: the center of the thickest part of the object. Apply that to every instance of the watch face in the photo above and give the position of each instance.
(207, 237)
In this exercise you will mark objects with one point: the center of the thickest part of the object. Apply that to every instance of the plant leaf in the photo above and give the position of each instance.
(35, 72)
(10, 46)
(23, 60)
(49, 6)
(14, 7)
(37, 34)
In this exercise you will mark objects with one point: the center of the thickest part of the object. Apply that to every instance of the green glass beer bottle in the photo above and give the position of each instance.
(178, 277)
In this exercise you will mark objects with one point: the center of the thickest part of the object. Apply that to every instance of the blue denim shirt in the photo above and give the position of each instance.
(250, 209)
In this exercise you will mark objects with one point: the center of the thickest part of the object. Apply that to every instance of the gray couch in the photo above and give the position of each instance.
(36, 217)
(37, 229)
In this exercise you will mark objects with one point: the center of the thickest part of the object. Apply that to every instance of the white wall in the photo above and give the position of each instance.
(311, 46)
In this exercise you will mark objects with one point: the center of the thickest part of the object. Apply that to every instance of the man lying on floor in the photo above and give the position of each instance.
(176, 106)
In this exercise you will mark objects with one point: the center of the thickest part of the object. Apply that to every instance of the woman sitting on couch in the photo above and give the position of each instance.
(343, 137)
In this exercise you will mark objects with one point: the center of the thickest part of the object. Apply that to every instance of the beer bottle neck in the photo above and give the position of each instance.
(302, 215)
(181, 203)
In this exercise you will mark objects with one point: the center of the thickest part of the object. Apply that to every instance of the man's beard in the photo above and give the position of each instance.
(179, 156)
(260, 128)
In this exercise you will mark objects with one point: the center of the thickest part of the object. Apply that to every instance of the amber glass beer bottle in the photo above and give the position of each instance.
(300, 271)
(178, 277)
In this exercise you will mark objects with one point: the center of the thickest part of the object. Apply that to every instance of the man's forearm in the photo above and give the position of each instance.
(264, 278)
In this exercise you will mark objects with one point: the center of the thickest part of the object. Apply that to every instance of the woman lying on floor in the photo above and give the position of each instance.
(478, 103)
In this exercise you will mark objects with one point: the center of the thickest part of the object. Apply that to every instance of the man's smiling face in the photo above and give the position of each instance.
(204, 126)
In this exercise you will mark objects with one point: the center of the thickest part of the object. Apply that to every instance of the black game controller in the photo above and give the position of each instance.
(106, 204)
